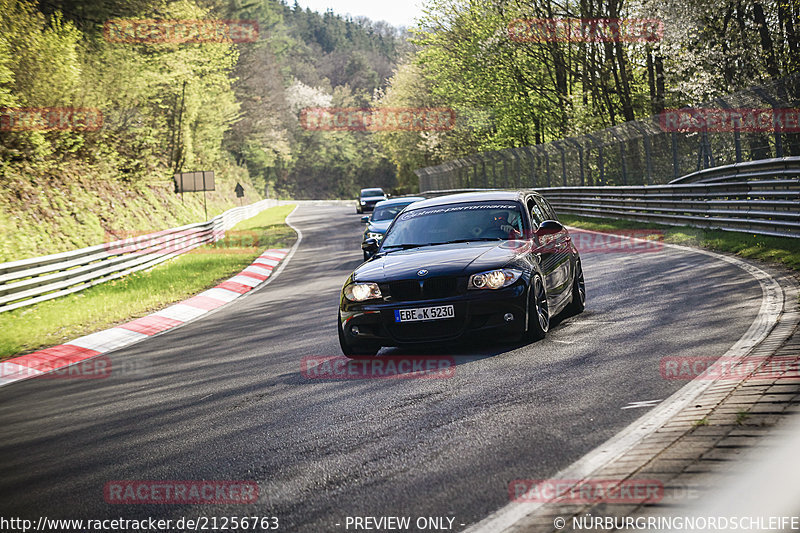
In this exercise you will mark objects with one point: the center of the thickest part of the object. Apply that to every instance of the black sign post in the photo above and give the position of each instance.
(205, 207)
(195, 182)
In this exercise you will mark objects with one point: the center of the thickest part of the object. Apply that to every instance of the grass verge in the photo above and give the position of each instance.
(63, 319)
(780, 250)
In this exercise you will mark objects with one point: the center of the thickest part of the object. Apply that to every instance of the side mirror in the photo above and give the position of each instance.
(365, 219)
(549, 227)
(370, 246)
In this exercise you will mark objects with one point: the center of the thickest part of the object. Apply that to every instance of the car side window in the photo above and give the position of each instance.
(547, 211)
(553, 215)
(537, 216)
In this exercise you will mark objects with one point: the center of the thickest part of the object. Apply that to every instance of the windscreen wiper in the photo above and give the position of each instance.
(404, 246)
(476, 239)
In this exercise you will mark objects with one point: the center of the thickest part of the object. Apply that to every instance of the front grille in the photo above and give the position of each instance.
(429, 289)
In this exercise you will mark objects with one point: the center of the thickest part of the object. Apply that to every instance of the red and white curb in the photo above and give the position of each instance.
(64, 355)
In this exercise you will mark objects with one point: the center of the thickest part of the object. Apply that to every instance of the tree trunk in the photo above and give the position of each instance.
(766, 40)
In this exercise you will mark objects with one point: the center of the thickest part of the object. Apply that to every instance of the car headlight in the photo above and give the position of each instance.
(376, 236)
(358, 292)
(363, 202)
(494, 279)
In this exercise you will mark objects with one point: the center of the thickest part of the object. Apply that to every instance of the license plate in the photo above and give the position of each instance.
(424, 313)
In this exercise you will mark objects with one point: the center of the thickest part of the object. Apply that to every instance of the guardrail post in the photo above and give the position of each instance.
(675, 164)
(647, 151)
(737, 138)
(532, 159)
(737, 143)
(577, 144)
(704, 155)
(563, 162)
(623, 160)
(600, 166)
(547, 166)
(777, 131)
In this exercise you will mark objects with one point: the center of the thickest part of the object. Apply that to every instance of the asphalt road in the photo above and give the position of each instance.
(222, 398)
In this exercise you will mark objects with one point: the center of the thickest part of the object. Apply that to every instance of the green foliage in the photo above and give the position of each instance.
(409, 150)
(42, 55)
(311, 60)
(170, 107)
(151, 126)
(536, 92)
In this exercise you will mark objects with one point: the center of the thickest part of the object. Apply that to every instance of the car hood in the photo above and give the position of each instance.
(371, 198)
(442, 260)
(379, 227)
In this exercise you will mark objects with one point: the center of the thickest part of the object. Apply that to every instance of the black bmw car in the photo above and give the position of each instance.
(497, 264)
(368, 198)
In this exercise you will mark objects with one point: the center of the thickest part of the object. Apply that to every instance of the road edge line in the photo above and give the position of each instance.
(765, 322)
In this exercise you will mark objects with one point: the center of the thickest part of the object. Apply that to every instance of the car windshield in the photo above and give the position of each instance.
(473, 221)
(387, 212)
(371, 192)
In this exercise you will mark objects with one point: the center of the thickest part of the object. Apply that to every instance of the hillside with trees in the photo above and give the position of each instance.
(513, 92)
(234, 107)
(169, 107)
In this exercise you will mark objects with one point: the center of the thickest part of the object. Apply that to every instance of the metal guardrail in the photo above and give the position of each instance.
(780, 167)
(761, 197)
(649, 151)
(768, 207)
(30, 281)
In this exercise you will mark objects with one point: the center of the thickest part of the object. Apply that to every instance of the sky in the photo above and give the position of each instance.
(395, 12)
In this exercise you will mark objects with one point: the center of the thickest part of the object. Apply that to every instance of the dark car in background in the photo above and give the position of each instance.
(382, 217)
(497, 264)
(368, 198)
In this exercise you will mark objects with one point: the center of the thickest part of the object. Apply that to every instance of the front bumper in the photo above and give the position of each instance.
(369, 205)
(477, 313)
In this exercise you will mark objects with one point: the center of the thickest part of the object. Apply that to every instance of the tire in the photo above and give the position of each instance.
(538, 310)
(351, 351)
(578, 303)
